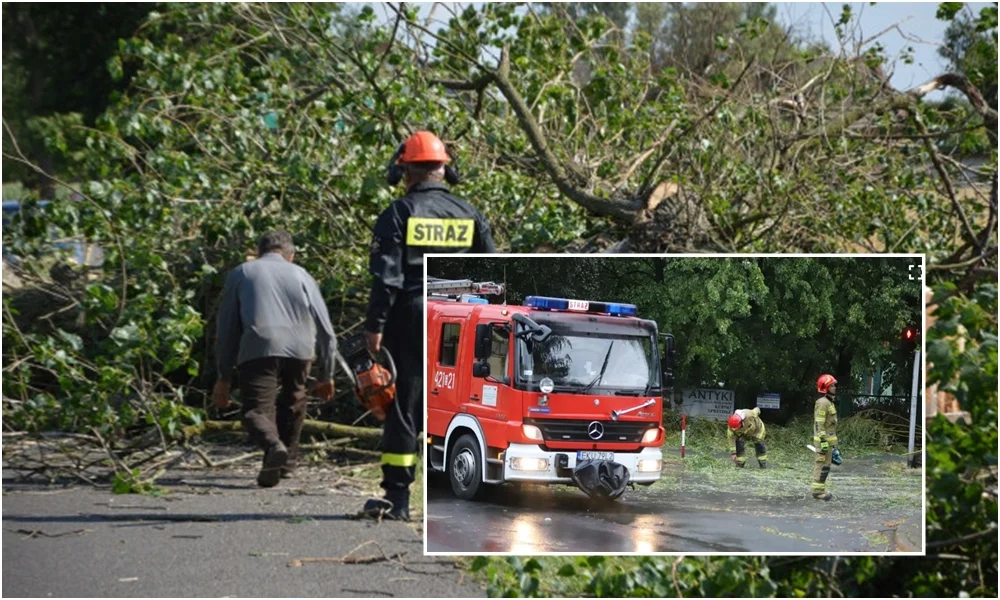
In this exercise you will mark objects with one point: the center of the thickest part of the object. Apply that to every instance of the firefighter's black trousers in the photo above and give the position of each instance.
(404, 338)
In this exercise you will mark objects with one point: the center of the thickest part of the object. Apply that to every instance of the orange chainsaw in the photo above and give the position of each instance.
(374, 382)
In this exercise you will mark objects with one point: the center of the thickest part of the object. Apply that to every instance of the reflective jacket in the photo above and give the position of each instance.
(825, 421)
(752, 428)
(428, 219)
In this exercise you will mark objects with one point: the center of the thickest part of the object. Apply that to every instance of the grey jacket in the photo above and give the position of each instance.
(273, 308)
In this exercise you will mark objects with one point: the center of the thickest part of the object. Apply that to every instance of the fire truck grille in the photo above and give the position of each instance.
(566, 430)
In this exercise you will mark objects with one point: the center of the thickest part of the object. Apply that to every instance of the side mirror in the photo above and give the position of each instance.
(484, 341)
(481, 369)
(668, 379)
(669, 354)
(542, 334)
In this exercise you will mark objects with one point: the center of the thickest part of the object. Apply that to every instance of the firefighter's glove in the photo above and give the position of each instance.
(836, 458)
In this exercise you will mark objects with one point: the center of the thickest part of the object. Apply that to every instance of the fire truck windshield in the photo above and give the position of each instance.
(583, 363)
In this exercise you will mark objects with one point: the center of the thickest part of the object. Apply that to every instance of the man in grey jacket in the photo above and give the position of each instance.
(272, 324)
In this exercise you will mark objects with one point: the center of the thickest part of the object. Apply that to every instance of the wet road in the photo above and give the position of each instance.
(683, 513)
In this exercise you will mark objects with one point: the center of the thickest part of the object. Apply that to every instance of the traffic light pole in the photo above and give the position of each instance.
(913, 406)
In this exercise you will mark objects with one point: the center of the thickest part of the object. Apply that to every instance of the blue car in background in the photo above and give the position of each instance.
(81, 252)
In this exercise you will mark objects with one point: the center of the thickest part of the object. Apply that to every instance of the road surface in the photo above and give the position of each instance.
(876, 508)
(213, 534)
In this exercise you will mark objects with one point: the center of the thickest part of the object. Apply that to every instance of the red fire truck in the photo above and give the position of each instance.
(532, 393)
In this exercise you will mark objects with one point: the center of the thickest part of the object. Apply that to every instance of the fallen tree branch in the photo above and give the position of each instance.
(310, 426)
(349, 559)
(618, 209)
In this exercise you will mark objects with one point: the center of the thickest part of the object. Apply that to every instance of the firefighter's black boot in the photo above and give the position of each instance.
(763, 464)
(395, 506)
(825, 497)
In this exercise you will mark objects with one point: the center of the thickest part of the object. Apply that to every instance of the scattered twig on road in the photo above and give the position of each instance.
(349, 559)
(130, 506)
(34, 533)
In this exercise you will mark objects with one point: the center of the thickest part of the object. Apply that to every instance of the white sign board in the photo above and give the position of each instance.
(769, 401)
(489, 395)
(710, 403)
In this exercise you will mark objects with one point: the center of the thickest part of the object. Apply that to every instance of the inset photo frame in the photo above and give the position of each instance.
(674, 404)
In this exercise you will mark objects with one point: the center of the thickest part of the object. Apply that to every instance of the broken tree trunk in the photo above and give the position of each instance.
(315, 427)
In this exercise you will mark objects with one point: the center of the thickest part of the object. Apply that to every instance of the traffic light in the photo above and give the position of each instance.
(911, 338)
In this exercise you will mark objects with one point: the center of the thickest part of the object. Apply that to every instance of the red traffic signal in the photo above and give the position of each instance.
(910, 334)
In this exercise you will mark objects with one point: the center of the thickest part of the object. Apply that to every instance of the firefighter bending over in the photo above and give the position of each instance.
(426, 219)
(824, 435)
(745, 424)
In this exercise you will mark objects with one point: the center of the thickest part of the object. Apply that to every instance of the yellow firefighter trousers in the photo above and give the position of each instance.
(821, 470)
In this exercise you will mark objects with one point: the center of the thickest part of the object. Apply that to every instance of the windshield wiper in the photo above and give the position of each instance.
(604, 367)
(629, 393)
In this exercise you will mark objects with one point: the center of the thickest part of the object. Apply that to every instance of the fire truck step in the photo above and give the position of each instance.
(494, 461)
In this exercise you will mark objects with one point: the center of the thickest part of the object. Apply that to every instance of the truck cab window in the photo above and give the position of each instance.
(579, 363)
(448, 355)
(498, 354)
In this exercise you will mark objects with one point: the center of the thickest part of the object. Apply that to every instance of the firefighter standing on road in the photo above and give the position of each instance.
(426, 219)
(745, 424)
(824, 435)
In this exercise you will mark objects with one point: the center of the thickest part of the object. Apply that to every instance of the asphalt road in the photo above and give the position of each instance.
(686, 513)
(214, 534)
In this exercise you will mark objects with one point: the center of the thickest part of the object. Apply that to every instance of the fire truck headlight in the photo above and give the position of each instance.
(649, 465)
(531, 432)
(650, 435)
(529, 464)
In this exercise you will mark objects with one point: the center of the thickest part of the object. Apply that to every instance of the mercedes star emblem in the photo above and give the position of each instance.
(595, 430)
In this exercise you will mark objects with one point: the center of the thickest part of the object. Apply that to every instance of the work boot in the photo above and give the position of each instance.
(763, 465)
(275, 457)
(394, 507)
(825, 497)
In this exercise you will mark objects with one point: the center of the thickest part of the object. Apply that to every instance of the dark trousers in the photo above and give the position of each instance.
(274, 401)
(404, 339)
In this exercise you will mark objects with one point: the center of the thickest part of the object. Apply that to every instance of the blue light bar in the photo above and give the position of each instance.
(546, 303)
(474, 300)
(617, 309)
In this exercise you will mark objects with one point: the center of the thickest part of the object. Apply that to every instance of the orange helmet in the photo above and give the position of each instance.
(424, 146)
(824, 382)
(735, 420)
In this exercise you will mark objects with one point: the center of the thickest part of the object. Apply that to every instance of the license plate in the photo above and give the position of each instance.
(590, 455)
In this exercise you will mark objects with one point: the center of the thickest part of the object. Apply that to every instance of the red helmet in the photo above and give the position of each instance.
(735, 420)
(424, 146)
(824, 382)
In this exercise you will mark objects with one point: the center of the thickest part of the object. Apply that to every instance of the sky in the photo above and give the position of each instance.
(916, 20)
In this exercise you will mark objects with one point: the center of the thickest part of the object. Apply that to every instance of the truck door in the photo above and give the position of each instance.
(442, 375)
(489, 398)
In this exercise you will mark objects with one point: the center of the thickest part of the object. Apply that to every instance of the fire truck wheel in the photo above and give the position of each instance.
(464, 469)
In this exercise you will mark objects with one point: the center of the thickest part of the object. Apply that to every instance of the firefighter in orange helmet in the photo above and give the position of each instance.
(745, 424)
(427, 219)
(824, 435)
